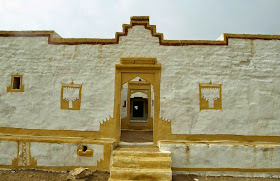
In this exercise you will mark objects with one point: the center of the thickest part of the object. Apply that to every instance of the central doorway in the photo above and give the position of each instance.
(136, 107)
(137, 111)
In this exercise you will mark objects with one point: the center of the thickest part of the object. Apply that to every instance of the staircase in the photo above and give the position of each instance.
(140, 163)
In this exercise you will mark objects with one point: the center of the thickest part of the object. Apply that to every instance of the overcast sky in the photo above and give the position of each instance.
(176, 19)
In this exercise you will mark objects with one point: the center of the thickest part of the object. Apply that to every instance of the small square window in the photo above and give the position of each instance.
(16, 84)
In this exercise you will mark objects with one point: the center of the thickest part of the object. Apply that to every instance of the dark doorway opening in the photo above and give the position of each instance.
(16, 83)
(138, 109)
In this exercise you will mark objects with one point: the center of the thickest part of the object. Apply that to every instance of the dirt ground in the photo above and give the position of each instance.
(199, 178)
(136, 136)
(37, 175)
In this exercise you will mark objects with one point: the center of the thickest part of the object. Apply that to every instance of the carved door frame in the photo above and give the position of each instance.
(128, 69)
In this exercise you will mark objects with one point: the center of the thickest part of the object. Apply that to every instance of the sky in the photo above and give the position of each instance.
(176, 19)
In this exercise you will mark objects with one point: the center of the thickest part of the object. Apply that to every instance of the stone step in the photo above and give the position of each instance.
(141, 162)
(138, 148)
(110, 179)
(140, 153)
(140, 174)
(123, 143)
(143, 151)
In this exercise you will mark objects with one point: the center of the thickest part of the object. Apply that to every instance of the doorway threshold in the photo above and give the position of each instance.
(136, 136)
(123, 143)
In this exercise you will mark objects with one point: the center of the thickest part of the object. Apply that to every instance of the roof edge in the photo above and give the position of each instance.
(54, 38)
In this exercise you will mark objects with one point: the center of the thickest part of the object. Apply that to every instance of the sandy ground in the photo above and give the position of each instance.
(37, 175)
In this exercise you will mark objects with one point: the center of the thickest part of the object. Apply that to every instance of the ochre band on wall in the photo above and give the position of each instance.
(134, 21)
(164, 132)
(107, 130)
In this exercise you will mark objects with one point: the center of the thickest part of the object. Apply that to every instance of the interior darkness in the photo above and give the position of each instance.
(16, 83)
(138, 108)
(84, 148)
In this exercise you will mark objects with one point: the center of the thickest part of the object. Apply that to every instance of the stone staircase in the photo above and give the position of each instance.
(140, 163)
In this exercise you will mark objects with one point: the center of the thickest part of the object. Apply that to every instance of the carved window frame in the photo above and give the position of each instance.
(76, 103)
(204, 103)
(21, 87)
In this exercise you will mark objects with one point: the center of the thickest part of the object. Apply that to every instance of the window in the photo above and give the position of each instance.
(210, 96)
(71, 96)
(16, 84)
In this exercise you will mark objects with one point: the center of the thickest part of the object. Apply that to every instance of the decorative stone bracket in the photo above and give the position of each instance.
(84, 151)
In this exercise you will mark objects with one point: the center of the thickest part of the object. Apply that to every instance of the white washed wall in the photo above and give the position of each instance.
(249, 76)
(224, 155)
(124, 98)
(8, 152)
(64, 154)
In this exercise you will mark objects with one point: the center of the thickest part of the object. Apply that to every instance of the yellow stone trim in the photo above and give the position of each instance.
(107, 130)
(139, 60)
(54, 139)
(30, 163)
(164, 133)
(137, 18)
(87, 153)
(134, 21)
(227, 169)
(10, 87)
(139, 83)
(126, 72)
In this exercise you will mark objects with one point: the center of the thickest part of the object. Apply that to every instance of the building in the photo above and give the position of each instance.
(214, 105)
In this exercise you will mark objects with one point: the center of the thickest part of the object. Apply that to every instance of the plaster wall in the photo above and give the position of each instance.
(124, 98)
(223, 155)
(64, 154)
(9, 150)
(152, 101)
(248, 70)
(249, 73)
